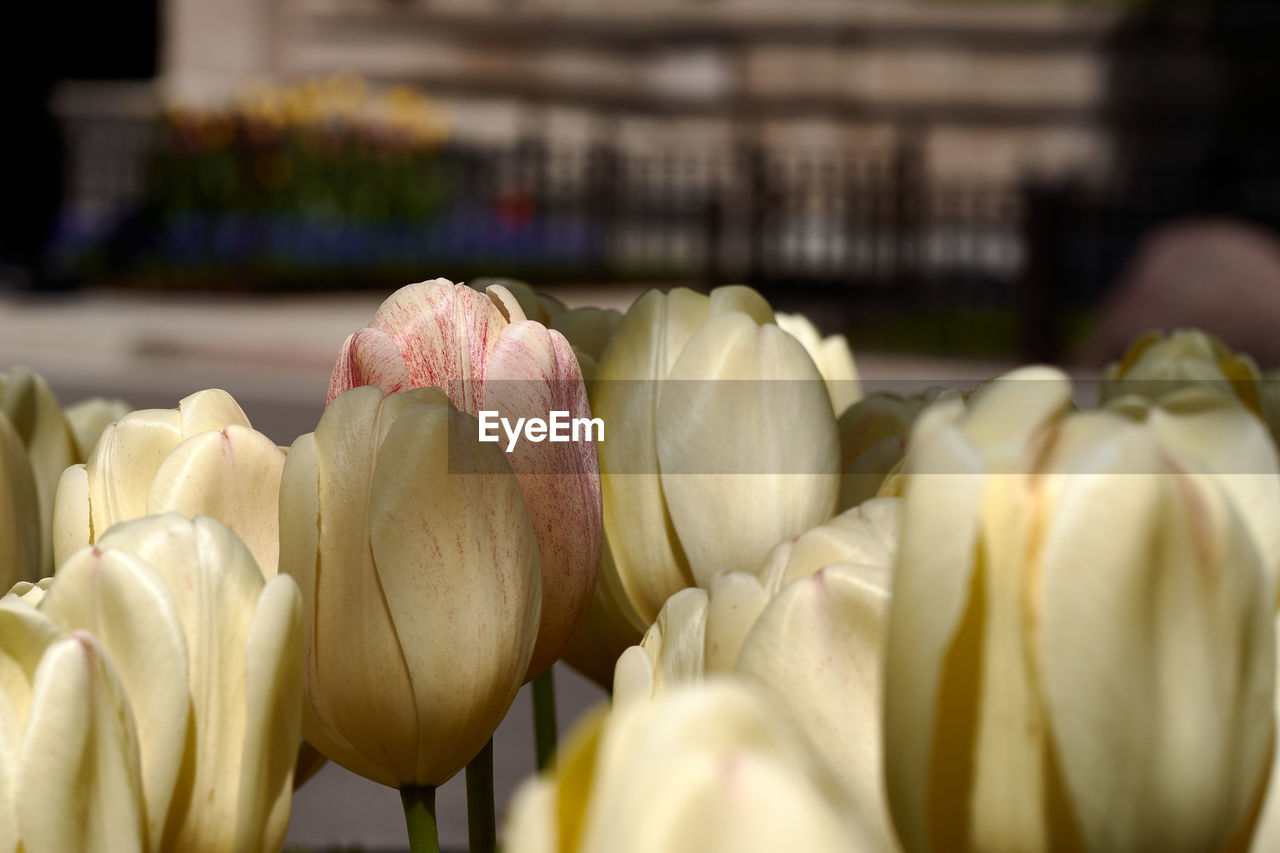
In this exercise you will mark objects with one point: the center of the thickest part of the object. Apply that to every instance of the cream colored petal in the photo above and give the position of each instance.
(532, 373)
(25, 635)
(273, 690)
(1157, 657)
(216, 586)
(28, 592)
(232, 475)
(209, 409)
(352, 645)
(72, 519)
(531, 819)
(832, 357)
(633, 676)
(932, 588)
(124, 463)
(10, 739)
(1266, 836)
(19, 516)
(508, 304)
(88, 418)
(369, 357)
(816, 652)
(746, 444)
(29, 403)
(741, 299)
(736, 600)
(829, 543)
(676, 642)
(610, 627)
(650, 563)
(123, 602)
(457, 564)
(78, 765)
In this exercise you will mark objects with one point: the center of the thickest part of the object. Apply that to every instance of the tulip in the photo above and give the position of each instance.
(588, 331)
(873, 440)
(419, 573)
(832, 357)
(538, 307)
(202, 458)
(1081, 651)
(89, 418)
(705, 474)
(30, 406)
(709, 767)
(1155, 364)
(20, 557)
(210, 656)
(480, 349)
(69, 777)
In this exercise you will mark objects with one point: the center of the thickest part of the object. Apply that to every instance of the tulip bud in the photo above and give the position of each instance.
(832, 357)
(1081, 650)
(29, 404)
(480, 349)
(709, 767)
(69, 777)
(707, 472)
(419, 571)
(1155, 364)
(202, 458)
(210, 656)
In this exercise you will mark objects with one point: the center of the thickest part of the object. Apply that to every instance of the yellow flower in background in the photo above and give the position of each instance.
(69, 774)
(210, 658)
(1081, 650)
(1156, 364)
(202, 458)
(706, 768)
(419, 571)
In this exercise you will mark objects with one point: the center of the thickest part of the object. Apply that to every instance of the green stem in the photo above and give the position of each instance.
(544, 718)
(481, 825)
(420, 818)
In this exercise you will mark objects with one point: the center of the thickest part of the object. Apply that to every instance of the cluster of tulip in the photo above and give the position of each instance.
(984, 620)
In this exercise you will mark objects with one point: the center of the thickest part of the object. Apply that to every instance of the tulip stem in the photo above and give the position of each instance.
(420, 818)
(481, 824)
(544, 718)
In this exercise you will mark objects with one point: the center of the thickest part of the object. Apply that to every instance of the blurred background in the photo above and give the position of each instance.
(208, 193)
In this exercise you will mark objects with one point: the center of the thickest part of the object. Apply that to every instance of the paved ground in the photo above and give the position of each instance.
(274, 355)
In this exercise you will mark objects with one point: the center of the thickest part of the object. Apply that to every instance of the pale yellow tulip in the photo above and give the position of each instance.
(202, 458)
(1155, 364)
(69, 774)
(1081, 651)
(19, 511)
(419, 570)
(721, 442)
(88, 418)
(210, 656)
(705, 768)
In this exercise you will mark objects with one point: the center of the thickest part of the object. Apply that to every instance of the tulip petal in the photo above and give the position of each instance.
(735, 602)
(1157, 654)
(212, 408)
(123, 602)
(676, 643)
(369, 357)
(457, 562)
(533, 372)
(78, 765)
(779, 427)
(124, 463)
(273, 683)
(815, 651)
(72, 521)
(934, 572)
(10, 738)
(232, 475)
(19, 521)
